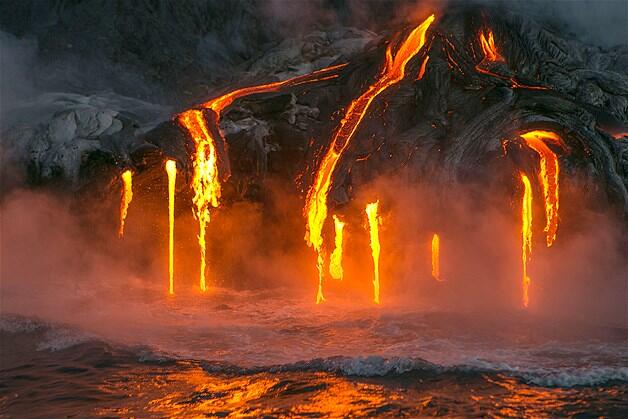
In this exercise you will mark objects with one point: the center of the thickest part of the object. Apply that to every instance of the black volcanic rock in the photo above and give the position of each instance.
(449, 127)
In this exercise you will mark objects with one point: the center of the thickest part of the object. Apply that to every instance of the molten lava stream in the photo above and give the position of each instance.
(127, 197)
(374, 221)
(316, 202)
(206, 178)
(436, 257)
(171, 170)
(335, 262)
(526, 235)
(548, 174)
(487, 42)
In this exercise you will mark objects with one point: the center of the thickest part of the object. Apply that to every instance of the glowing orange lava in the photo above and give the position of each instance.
(171, 170)
(335, 262)
(548, 174)
(316, 203)
(487, 42)
(374, 222)
(526, 236)
(436, 257)
(206, 179)
(422, 69)
(127, 197)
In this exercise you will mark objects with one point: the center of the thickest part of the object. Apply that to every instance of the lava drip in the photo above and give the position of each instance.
(127, 197)
(335, 262)
(171, 170)
(374, 222)
(211, 148)
(526, 236)
(316, 203)
(436, 257)
(548, 175)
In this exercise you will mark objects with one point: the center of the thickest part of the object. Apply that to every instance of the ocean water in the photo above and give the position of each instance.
(275, 353)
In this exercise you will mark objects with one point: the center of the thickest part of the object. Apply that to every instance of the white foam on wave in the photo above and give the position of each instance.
(377, 366)
(59, 338)
(54, 337)
(14, 324)
(363, 366)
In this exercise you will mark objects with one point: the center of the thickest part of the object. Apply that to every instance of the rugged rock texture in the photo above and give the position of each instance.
(449, 127)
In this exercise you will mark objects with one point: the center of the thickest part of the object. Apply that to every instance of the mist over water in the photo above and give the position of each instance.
(64, 265)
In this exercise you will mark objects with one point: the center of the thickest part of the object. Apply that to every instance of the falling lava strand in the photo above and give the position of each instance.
(127, 197)
(373, 224)
(335, 261)
(171, 170)
(526, 236)
(436, 257)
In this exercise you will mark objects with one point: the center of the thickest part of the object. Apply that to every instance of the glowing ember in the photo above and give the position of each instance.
(487, 42)
(436, 257)
(127, 196)
(171, 169)
(335, 263)
(548, 174)
(206, 179)
(316, 204)
(526, 235)
(374, 221)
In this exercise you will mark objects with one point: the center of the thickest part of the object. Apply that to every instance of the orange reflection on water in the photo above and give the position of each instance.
(184, 389)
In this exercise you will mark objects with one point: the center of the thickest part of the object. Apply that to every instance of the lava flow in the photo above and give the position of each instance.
(127, 196)
(548, 174)
(491, 54)
(436, 257)
(316, 203)
(335, 262)
(171, 170)
(374, 221)
(206, 179)
(487, 42)
(526, 235)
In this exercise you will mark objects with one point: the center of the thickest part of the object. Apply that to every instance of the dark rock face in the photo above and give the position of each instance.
(449, 127)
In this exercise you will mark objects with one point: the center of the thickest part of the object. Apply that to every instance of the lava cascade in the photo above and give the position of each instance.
(316, 203)
(127, 197)
(548, 175)
(206, 177)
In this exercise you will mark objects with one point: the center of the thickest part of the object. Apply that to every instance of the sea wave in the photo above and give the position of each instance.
(377, 366)
(55, 337)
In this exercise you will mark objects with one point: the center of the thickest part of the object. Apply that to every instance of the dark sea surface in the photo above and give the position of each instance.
(243, 355)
